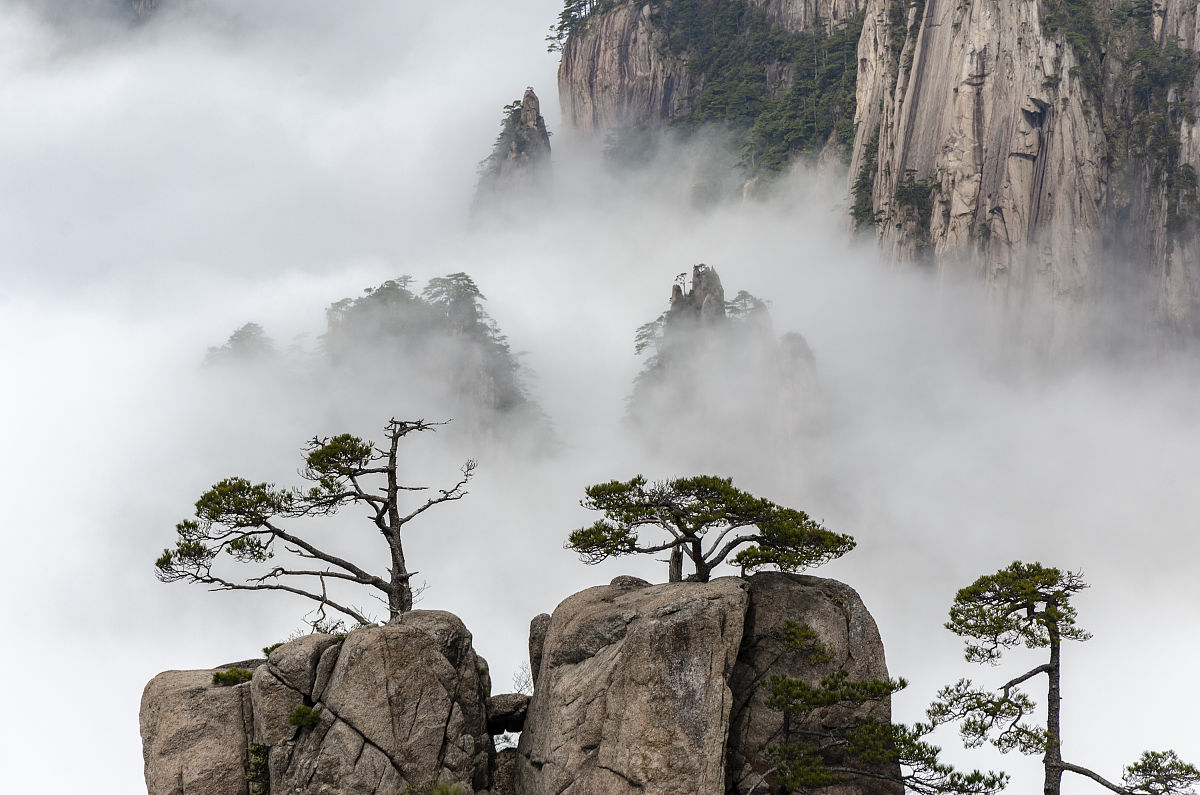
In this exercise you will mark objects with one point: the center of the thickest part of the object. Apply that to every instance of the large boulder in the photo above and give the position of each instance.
(632, 694)
(537, 641)
(388, 709)
(404, 705)
(194, 734)
(835, 612)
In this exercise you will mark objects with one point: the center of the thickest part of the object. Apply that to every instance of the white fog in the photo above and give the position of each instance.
(165, 183)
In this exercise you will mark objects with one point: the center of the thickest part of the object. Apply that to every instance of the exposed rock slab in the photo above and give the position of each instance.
(405, 704)
(617, 72)
(394, 707)
(537, 641)
(506, 712)
(1036, 189)
(194, 735)
(633, 694)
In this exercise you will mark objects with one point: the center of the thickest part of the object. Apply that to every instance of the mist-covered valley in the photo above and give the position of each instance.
(167, 182)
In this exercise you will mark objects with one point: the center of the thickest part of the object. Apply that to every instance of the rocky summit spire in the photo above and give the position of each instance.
(705, 302)
(521, 153)
(716, 364)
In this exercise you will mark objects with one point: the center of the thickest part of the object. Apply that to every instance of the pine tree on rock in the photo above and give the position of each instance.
(1030, 604)
(704, 518)
(246, 521)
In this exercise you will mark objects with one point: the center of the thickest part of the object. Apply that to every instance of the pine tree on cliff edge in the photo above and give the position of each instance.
(704, 518)
(246, 521)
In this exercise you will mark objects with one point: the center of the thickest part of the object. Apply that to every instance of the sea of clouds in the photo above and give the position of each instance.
(165, 182)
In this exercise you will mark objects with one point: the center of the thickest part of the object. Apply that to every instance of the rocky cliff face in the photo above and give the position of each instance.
(521, 150)
(391, 708)
(633, 693)
(638, 688)
(999, 139)
(1049, 148)
(619, 69)
(617, 73)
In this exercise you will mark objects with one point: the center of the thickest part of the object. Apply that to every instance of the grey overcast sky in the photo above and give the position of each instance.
(161, 184)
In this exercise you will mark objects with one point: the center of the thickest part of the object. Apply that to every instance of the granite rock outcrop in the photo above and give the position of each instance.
(640, 688)
(1000, 141)
(619, 70)
(383, 710)
(633, 691)
(521, 154)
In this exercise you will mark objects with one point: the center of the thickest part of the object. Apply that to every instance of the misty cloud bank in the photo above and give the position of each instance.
(166, 183)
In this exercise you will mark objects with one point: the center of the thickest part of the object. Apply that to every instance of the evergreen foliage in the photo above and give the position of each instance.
(247, 344)
(730, 49)
(820, 747)
(914, 200)
(443, 333)
(245, 522)
(232, 676)
(302, 717)
(695, 510)
(1030, 605)
(258, 768)
(572, 18)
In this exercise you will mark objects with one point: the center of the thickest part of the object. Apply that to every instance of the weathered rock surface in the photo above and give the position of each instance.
(506, 712)
(520, 155)
(979, 100)
(795, 15)
(404, 706)
(617, 70)
(653, 689)
(633, 693)
(537, 641)
(847, 631)
(396, 706)
(504, 771)
(1031, 179)
(194, 734)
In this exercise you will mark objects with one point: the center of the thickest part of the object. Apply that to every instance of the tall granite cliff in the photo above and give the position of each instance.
(1046, 147)
(1049, 149)
(633, 63)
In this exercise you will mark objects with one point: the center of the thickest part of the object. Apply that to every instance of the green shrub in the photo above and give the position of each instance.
(303, 717)
(732, 47)
(268, 649)
(257, 765)
(232, 676)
